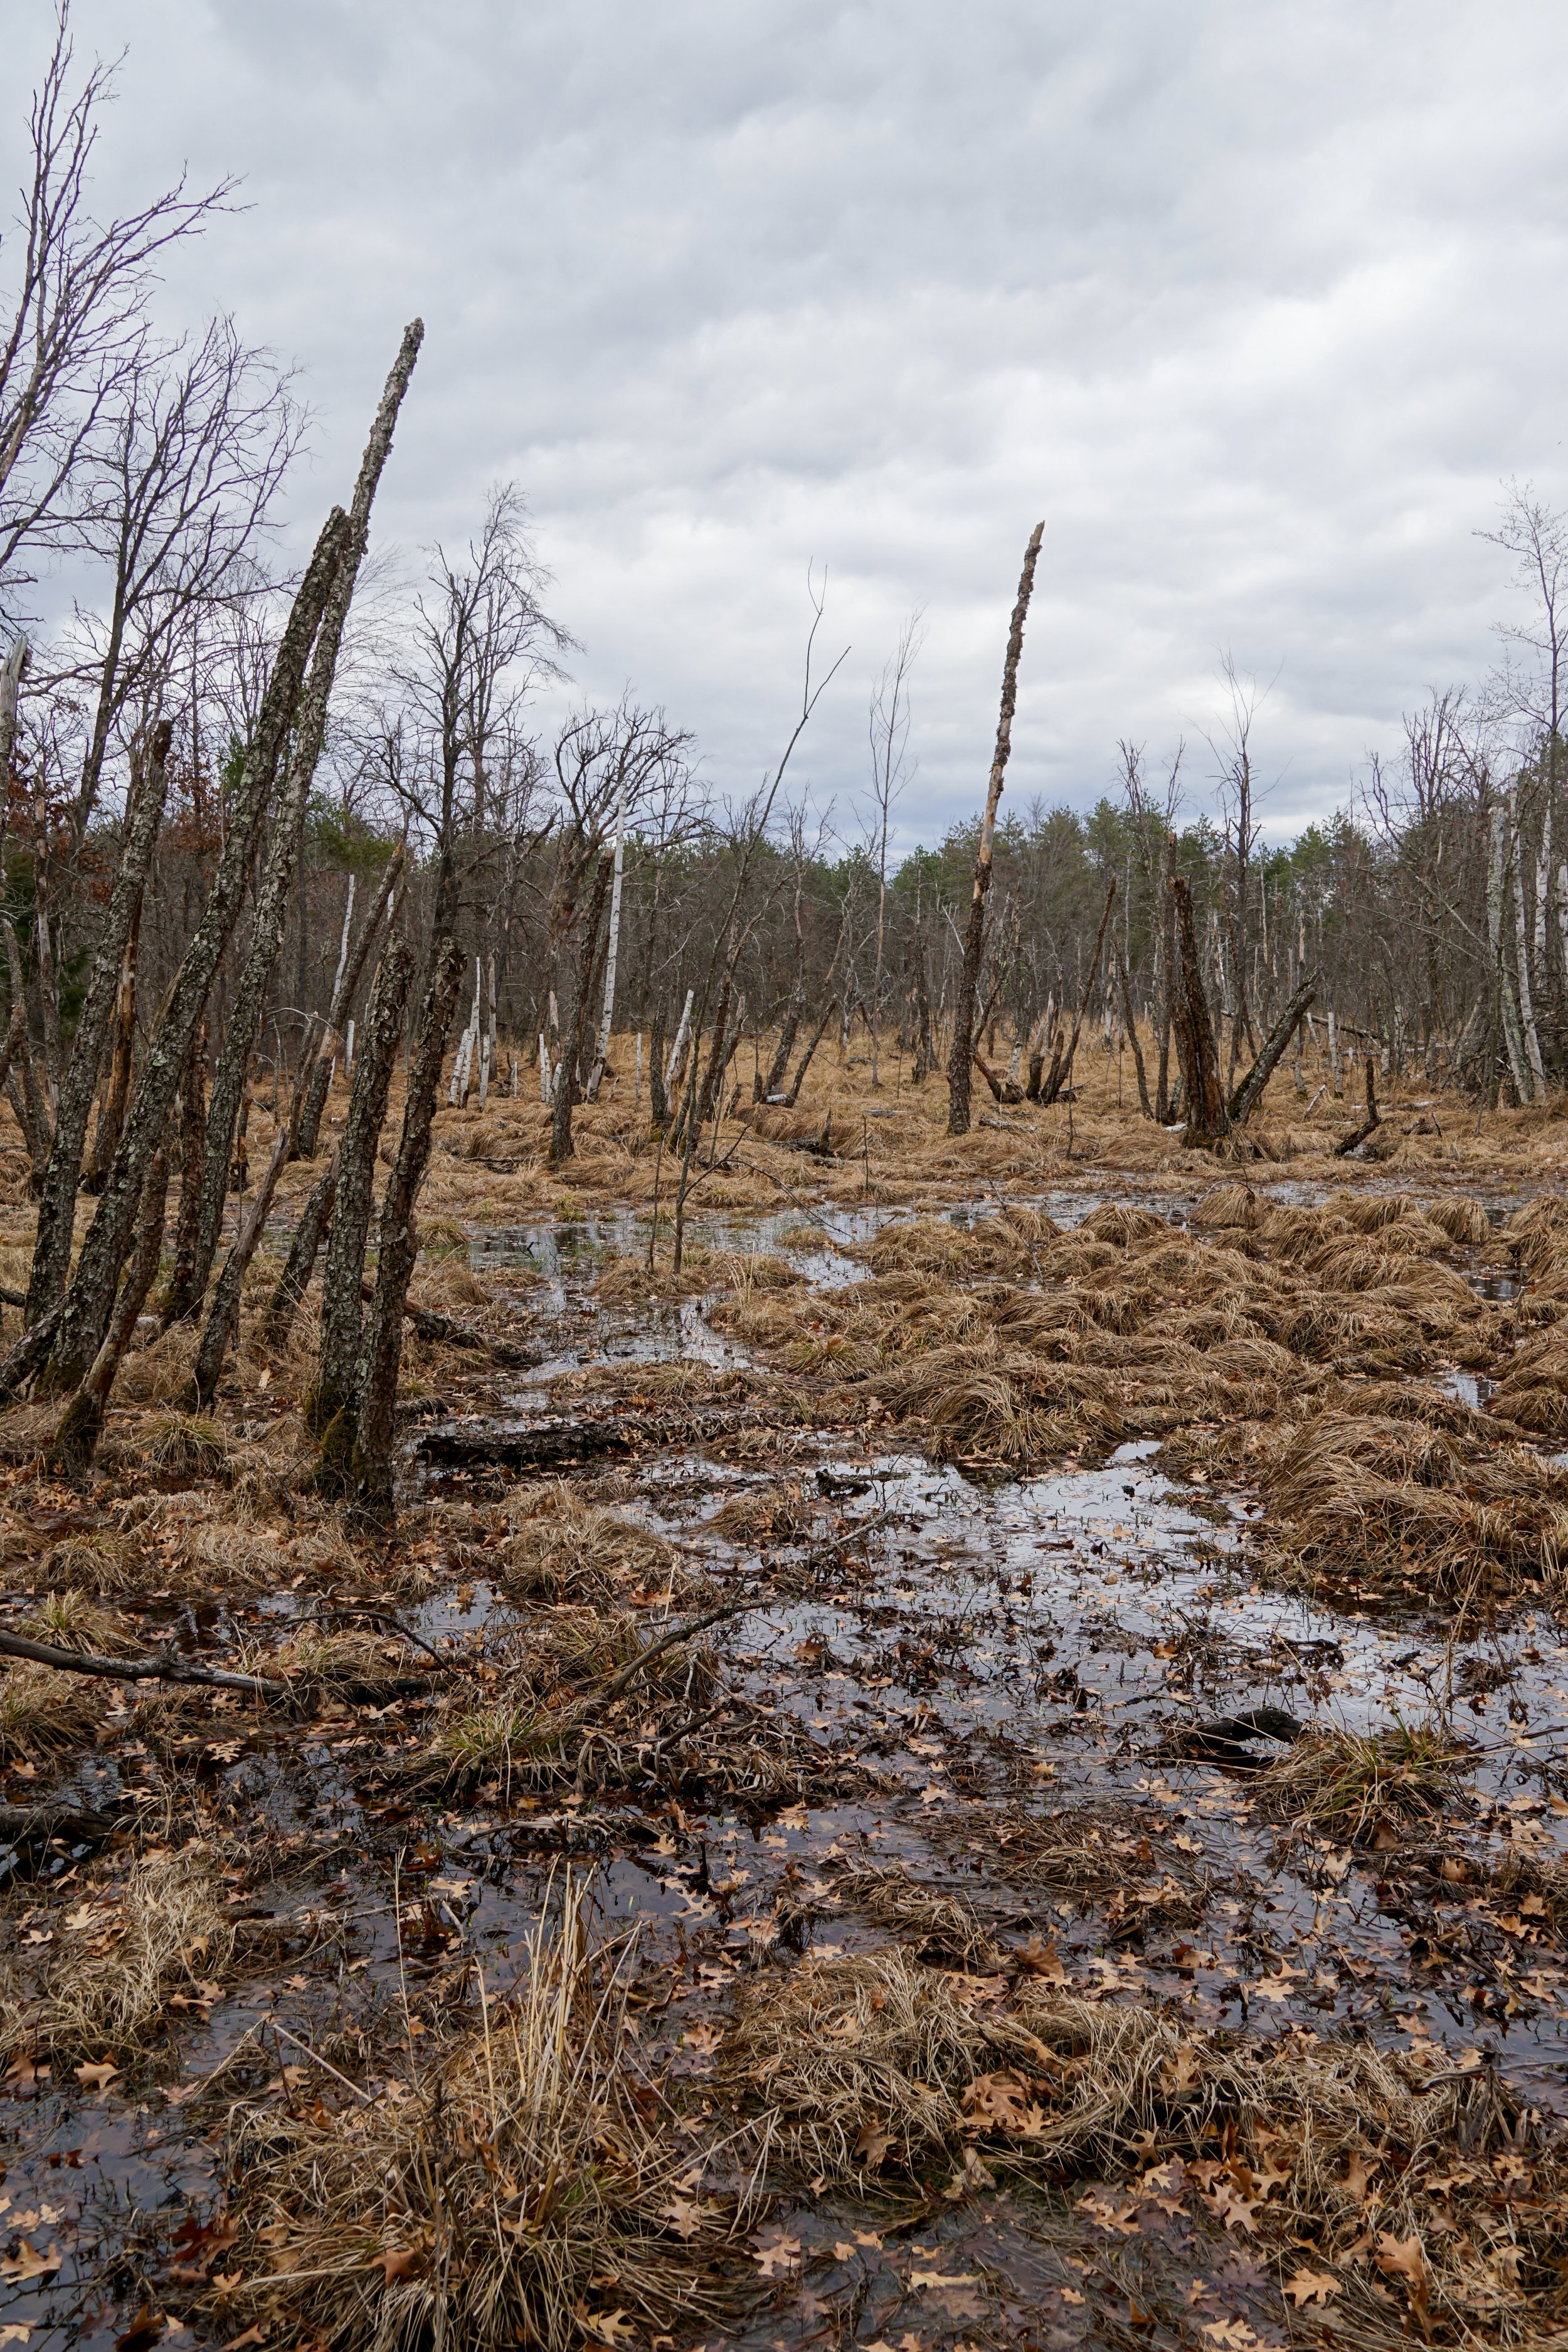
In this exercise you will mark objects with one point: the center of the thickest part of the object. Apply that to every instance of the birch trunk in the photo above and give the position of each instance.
(602, 1051)
(1497, 893)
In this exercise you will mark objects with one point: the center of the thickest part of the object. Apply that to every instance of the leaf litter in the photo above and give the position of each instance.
(1103, 1883)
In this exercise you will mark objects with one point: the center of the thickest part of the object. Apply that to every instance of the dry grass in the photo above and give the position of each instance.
(117, 1962)
(1323, 2148)
(1355, 1492)
(1364, 1788)
(933, 1924)
(562, 1549)
(1108, 1851)
(515, 2192)
(44, 1713)
(781, 1513)
(180, 1445)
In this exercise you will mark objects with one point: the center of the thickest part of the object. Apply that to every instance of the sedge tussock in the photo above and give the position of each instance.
(1096, 1851)
(44, 1712)
(781, 1513)
(161, 1374)
(1119, 1222)
(933, 1924)
(562, 1549)
(118, 1963)
(68, 1621)
(1465, 1222)
(98, 1561)
(1229, 1208)
(1356, 1491)
(518, 2192)
(1357, 1786)
(180, 1445)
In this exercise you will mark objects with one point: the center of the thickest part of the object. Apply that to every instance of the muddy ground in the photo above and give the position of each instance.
(988, 1765)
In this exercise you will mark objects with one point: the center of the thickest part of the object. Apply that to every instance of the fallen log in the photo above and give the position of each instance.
(1374, 1119)
(159, 1668)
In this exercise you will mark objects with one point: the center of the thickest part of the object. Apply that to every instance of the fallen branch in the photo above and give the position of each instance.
(161, 1669)
(670, 1641)
(1374, 1118)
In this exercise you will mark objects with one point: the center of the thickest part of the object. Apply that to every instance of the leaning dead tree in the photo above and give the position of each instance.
(962, 1054)
(87, 1303)
(248, 1001)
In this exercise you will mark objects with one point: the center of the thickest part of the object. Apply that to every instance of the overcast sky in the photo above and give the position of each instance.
(1255, 305)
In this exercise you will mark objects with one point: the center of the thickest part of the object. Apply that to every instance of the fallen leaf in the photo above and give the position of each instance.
(1358, 2179)
(1041, 1960)
(958, 2294)
(702, 2039)
(1097, 2207)
(146, 2330)
(95, 2073)
(1231, 2335)
(1401, 2258)
(1000, 2102)
(873, 2145)
(775, 2252)
(27, 2262)
(610, 2326)
(1310, 2286)
(687, 2215)
(399, 2263)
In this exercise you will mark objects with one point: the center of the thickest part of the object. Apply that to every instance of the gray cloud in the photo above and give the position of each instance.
(1255, 305)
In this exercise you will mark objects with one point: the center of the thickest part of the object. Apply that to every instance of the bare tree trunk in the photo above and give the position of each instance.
(1131, 1026)
(223, 1316)
(602, 1051)
(1249, 1094)
(295, 1278)
(1522, 961)
(247, 1007)
(381, 1355)
(18, 655)
(90, 1295)
(1497, 894)
(27, 1098)
(804, 1065)
(959, 1059)
(193, 1152)
(350, 970)
(1061, 1071)
(340, 1304)
(567, 1089)
(1197, 1049)
(116, 1092)
(81, 1425)
(56, 1200)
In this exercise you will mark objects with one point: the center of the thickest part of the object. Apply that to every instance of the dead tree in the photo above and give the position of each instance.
(295, 1278)
(1130, 1023)
(56, 1200)
(1062, 1064)
(247, 1004)
(193, 1153)
(340, 1306)
(1374, 1119)
(380, 1353)
(81, 1423)
(958, 1066)
(1249, 1093)
(1197, 1053)
(116, 1091)
(223, 1316)
(90, 1295)
(350, 971)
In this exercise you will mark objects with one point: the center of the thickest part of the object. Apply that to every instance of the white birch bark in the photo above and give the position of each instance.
(677, 1061)
(612, 950)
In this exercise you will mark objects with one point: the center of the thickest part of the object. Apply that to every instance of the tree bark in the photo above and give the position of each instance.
(90, 1294)
(1249, 1094)
(567, 1092)
(381, 1355)
(350, 971)
(248, 1005)
(81, 1423)
(56, 1199)
(295, 1278)
(223, 1316)
(116, 1093)
(602, 1050)
(1497, 895)
(1130, 1021)
(340, 1307)
(959, 1059)
(193, 1150)
(1061, 1068)
(1198, 1052)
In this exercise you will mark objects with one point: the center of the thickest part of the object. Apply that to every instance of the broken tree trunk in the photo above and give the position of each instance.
(380, 1354)
(81, 1423)
(958, 1066)
(1249, 1094)
(341, 1310)
(1358, 1136)
(57, 1198)
(90, 1294)
(1198, 1051)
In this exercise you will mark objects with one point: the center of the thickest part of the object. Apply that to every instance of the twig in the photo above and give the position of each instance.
(385, 1617)
(317, 2060)
(667, 1641)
